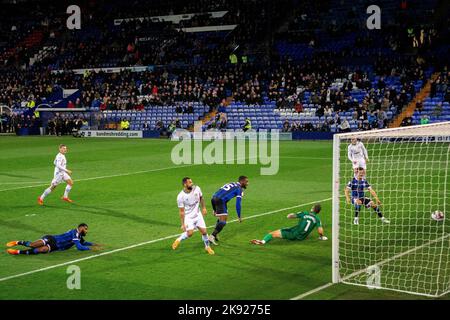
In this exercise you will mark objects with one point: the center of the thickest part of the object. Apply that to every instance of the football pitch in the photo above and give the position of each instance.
(126, 190)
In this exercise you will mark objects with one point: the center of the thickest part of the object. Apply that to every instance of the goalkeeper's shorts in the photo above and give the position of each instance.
(293, 233)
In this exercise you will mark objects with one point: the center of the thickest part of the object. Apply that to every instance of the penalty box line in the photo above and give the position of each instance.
(149, 242)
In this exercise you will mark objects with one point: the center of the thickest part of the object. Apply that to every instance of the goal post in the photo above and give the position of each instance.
(408, 168)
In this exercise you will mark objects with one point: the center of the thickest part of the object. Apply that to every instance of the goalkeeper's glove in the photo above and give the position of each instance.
(323, 238)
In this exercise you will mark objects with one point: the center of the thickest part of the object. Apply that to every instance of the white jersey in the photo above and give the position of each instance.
(60, 164)
(357, 152)
(190, 202)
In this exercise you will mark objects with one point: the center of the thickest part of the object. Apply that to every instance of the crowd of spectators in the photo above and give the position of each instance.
(285, 83)
(63, 124)
(365, 120)
(12, 123)
(145, 41)
(197, 68)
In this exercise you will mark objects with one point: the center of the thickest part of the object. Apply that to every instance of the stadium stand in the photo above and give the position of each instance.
(307, 67)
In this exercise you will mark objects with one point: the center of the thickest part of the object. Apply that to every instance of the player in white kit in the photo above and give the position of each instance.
(61, 174)
(189, 201)
(357, 154)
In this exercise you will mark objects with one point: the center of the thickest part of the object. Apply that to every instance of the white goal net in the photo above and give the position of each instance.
(408, 168)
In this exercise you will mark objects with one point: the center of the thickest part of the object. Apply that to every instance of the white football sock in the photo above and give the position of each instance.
(183, 236)
(205, 240)
(66, 192)
(46, 193)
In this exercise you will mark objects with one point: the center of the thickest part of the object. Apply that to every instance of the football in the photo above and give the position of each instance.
(437, 215)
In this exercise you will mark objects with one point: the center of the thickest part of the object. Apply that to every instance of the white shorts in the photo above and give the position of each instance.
(359, 163)
(195, 222)
(59, 178)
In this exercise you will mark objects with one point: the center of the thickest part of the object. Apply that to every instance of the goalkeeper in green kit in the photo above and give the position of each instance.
(307, 222)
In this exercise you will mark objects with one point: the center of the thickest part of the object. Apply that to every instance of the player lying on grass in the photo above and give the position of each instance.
(219, 203)
(59, 242)
(357, 186)
(307, 222)
(61, 174)
(189, 201)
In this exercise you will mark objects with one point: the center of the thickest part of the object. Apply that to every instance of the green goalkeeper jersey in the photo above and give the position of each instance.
(307, 222)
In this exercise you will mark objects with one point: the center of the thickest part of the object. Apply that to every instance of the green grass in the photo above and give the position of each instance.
(127, 209)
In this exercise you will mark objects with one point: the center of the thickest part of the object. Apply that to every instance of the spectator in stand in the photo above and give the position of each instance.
(298, 107)
(320, 112)
(84, 125)
(432, 89)
(70, 104)
(419, 105)
(296, 126)
(172, 127)
(328, 111)
(437, 112)
(371, 117)
(337, 118)
(309, 127)
(406, 122)
(51, 127)
(3, 122)
(124, 124)
(286, 126)
(154, 90)
(247, 125)
(325, 127)
(223, 120)
(78, 103)
(382, 119)
(159, 126)
(424, 119)
(344, 126)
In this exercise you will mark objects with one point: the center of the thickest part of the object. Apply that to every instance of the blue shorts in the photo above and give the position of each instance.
(219, 207)
(50, 242)
(365, 201)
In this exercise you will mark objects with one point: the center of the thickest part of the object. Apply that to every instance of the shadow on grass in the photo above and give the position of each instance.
(111, 213)
(16, 175)
(19, 225)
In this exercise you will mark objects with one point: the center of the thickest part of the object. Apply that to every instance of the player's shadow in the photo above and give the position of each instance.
(112, 213)
(19, 225)
(15, 175)
(294, 257)
(161, 256)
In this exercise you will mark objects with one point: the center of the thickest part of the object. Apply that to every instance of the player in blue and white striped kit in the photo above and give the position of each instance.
(59, 242)
(219, 203)
(357, 187)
